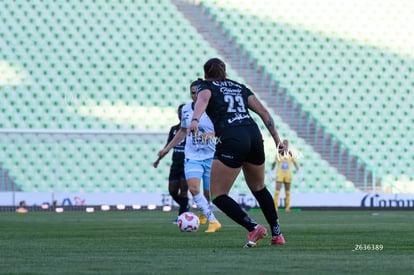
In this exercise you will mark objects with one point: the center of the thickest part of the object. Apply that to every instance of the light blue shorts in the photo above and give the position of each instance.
(199, 169)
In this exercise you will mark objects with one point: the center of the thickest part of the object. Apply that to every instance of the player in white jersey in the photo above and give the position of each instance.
(199, 151)
(202, 146)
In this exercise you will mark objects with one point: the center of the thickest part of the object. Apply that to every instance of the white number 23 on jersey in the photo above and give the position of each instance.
(235, 103)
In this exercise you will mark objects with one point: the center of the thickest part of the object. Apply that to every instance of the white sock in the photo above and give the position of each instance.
(204, 207)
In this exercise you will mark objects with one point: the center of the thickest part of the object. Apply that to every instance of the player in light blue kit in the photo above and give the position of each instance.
(199, 151)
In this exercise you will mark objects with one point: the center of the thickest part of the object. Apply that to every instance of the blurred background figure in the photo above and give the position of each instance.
(284, 160)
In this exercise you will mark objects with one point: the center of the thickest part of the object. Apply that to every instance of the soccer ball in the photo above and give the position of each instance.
(188, 222)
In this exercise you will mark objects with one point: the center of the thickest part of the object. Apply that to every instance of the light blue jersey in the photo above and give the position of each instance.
(203, 145)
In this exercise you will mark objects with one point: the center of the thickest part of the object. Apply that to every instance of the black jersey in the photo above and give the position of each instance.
(228, 104)
(178, 151)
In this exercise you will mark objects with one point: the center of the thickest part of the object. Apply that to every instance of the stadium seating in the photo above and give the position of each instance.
(115, 65)
(359, 91)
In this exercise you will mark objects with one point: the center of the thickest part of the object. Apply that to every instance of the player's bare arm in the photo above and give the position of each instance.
(200, 106)
(256, 106)
(177, 139)
(296, 165)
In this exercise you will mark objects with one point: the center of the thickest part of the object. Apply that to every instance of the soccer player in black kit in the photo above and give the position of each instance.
(177, 184)
(239, 147)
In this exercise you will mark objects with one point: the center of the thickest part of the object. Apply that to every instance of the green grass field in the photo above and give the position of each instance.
(146, 242)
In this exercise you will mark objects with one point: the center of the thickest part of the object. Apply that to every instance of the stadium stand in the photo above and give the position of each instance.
(125, 66)
(359, 91)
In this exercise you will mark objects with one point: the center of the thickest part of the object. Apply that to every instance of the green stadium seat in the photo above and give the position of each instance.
(130, 58)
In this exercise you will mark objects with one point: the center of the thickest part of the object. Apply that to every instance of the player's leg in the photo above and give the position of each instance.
(177, 187)
(194, 171)
(222, 179)
(230, 154)
(254, 175)
(287, 194)
(214, 225)
(173, 187)
(206, 178)
(206, 193)
(277, 193)
(173, 179)
(183, 196)
(200, 200)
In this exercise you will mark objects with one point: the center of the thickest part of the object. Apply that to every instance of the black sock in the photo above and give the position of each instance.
(265, 200)
(233, 210)
(183, 202)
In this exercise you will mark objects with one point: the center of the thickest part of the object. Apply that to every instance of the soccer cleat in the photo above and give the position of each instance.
(202, 218)
(175, 221)
(255, 236)
(278, 240)
(213, 227)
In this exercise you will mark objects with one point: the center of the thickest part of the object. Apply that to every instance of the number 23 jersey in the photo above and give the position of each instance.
(228, 104)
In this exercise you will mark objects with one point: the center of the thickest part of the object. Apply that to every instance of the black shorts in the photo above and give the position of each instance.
(176, 173)
(236, 145)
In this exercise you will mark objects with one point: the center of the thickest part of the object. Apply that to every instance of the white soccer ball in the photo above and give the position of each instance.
(188, 222)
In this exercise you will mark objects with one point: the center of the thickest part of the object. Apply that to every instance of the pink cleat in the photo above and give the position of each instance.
(278, 240)
(255, 236)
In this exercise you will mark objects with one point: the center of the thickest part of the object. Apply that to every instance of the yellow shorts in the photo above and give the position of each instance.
(284, 177)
